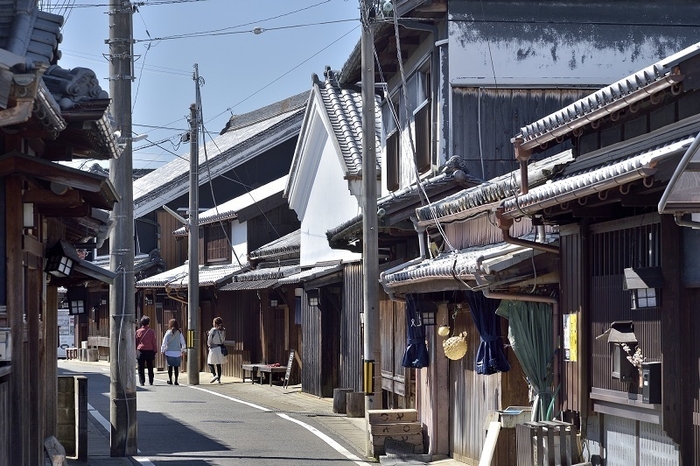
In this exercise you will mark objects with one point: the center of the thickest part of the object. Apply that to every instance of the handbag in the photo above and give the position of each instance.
(138, 354)
(224, 351)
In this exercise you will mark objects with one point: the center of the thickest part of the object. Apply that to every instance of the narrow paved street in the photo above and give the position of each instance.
(225, 424)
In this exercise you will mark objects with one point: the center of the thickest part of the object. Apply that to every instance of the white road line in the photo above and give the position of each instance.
(332, 443)
(108, 427)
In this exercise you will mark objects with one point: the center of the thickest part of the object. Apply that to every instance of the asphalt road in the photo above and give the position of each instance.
(201, 425)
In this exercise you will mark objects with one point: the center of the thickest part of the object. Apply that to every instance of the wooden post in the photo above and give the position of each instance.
(340, 399)
(355, 404)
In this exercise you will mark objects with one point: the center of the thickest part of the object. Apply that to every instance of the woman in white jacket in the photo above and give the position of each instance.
(215, 340)
(173, 346)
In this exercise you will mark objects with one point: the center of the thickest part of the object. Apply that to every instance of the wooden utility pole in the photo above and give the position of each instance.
(193, 247)
(370, 241)
(122, 344)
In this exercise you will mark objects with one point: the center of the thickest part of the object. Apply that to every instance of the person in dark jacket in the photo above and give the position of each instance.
(146, 348)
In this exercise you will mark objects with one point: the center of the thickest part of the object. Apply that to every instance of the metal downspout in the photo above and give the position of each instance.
(678, 218)
(556, 371)
(505, 223)
(522, 156)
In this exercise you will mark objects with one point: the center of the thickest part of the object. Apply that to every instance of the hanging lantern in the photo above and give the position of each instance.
(455, 347)
(444, 330)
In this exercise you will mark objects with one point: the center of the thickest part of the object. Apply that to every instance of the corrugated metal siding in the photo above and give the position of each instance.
(571, 302)
(484, 139)
(351, 342)
(610, 252)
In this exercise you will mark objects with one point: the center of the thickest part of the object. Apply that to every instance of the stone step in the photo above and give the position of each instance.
(388, 416)
(396, 428)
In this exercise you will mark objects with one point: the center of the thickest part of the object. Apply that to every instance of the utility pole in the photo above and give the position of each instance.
(370, 262)
(193, 247)
(122, 344)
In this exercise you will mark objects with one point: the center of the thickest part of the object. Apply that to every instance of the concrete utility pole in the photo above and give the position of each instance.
(370, 262)
(193, 248)
(122, 344)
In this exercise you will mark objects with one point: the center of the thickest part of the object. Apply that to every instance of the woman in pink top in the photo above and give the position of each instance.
(146, 347)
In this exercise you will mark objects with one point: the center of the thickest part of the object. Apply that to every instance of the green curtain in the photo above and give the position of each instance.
(530, 335)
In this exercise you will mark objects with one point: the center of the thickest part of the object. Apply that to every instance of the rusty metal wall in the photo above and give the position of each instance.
(351, 339)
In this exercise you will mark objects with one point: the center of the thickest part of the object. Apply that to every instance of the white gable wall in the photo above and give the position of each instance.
(239, 242)
(329, 205)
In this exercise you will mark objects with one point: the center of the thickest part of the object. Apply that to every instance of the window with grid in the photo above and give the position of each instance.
(216, 244)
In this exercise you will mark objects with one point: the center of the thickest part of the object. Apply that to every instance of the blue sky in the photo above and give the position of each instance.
(242, 71)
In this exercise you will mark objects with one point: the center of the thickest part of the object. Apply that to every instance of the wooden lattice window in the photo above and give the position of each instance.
(216, 244)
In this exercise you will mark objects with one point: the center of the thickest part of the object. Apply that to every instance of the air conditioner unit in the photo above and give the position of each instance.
(5, 344)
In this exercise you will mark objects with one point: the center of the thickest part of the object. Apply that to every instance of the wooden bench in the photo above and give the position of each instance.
(271, 371)
(252, 368)
(258, 370)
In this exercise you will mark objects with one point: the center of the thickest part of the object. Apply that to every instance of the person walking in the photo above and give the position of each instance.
(172, 348)
(146, 347)
(215, 340)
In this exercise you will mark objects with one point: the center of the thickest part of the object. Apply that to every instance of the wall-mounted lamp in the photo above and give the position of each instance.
(77, 297)
(428, 310)
(60, 259)
(620, 367)
(28, 215)
(644, 284)
(312, 295)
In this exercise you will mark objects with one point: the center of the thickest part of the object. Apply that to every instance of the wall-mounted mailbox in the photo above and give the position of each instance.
(5, 344)
(651, 380)
(619, 333)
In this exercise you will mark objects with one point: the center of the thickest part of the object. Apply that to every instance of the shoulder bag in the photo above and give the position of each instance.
(224, 350)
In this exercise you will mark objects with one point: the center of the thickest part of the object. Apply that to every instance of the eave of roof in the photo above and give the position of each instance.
(287, 245)
(401, 201)
(486, 196)
(318, 271)
(576, 183)
(457, 267)
(607, 100)
(178, 277)
(224, 153)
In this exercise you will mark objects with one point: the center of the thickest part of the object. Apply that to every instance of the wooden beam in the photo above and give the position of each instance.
(46, 197)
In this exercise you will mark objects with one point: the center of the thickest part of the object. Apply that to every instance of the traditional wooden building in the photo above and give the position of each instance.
(470, 76)
(48, 114)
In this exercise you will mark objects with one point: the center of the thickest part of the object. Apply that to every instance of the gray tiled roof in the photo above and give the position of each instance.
(607, 100)
(263, 277)
(312, 273)
(461, 264)
(476, 200)
(209, 275)
(344, 111)
(224, 153)
(606, 175)
(435, 186)
(230, 209)
(287, 245)
(294, 102)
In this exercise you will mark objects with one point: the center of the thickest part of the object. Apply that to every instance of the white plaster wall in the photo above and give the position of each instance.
(538, 62)
(239, 241)
(330, 204)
